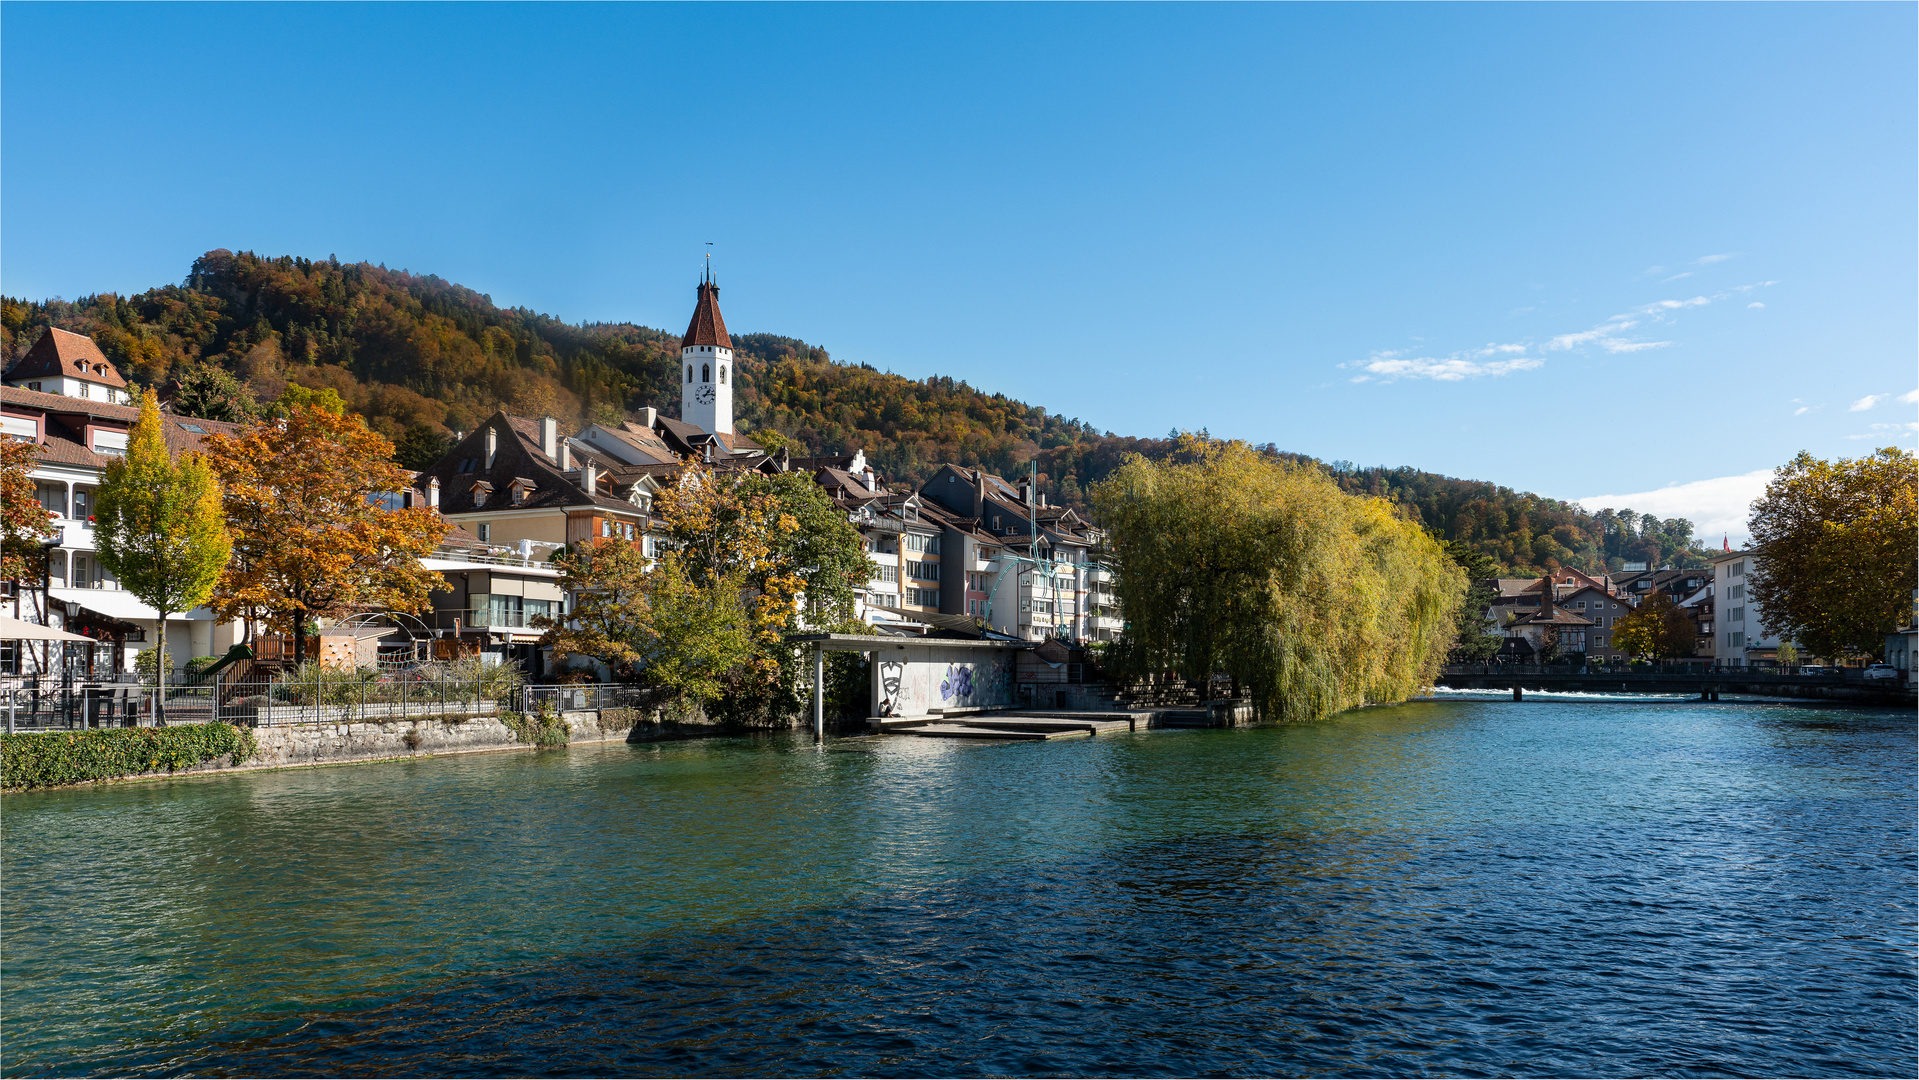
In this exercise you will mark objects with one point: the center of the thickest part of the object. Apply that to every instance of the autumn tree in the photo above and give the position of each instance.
(312, 537)
(159, 525)
(1656, 628)
(794, 556)
(23, 521)
(1312, 600)
(648, 619)
(1836, 571)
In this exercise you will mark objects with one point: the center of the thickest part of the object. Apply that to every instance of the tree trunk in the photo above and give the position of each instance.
(299, 637)
(160, 676)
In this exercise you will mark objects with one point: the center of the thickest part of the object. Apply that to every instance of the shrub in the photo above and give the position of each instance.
(54, 758)
(542, 728)
(620, 719)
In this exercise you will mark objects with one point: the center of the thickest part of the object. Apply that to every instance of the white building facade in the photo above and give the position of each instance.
(1739, 636)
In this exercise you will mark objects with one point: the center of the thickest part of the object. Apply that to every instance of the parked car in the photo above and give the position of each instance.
(1809, 669)
(1882, 671)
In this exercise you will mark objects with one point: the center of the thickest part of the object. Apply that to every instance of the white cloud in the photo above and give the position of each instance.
(1881, 431)
(1676, 277)
(1708, 260)
(1910, 397)
(1755, 304)
(1717, 507)
(1866, 402)
(1802, 410)
(1389, 367)
(1662, 306)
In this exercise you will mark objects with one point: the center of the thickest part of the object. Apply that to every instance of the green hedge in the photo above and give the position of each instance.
(50, 759)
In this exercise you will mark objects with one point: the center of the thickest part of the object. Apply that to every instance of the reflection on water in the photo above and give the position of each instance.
(1548, 888)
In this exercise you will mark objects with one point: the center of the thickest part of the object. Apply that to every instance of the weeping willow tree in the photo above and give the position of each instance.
(1311, 600)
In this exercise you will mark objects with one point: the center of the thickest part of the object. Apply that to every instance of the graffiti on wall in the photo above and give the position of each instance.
(913, 687)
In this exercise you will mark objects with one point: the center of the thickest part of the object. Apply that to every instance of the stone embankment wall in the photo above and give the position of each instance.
(299, 745)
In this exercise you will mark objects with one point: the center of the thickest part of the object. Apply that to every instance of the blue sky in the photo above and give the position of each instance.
(1573, 249)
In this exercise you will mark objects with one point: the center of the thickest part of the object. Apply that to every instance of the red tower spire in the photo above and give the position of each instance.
(707, 328)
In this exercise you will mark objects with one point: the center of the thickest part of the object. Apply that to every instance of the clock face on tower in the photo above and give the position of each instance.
(704, 395)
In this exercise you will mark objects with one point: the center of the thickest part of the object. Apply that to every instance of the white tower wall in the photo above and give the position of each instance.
(706, 397)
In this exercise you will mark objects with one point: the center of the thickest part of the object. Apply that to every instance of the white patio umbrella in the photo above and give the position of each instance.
(12, 629)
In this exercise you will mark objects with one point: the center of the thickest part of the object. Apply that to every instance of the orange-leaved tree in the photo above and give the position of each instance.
(311, 537)
(23, 521)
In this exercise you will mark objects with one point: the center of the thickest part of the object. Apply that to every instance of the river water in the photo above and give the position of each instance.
(1455, 887)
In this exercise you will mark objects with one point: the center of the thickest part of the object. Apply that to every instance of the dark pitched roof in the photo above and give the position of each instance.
(62, 352)
(517, 456)
(707, 328)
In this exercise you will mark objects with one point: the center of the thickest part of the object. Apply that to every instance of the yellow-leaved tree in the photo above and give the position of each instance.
(159, 525)
(748, 559)
(1311, 600)
(1836, 571)
(308, 498)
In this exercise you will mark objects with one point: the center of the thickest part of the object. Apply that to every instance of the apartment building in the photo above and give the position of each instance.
(65, 397)
(1740, 639)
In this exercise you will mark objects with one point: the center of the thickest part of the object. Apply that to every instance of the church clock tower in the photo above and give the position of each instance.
(706, 362)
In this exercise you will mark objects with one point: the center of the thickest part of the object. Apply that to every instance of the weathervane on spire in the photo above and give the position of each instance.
(708, 275)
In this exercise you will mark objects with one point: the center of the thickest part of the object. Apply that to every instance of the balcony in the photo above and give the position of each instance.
(1106, 622)
(487, 619)
(1099, 575)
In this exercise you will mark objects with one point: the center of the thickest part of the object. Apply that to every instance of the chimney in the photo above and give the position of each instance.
(492, 446)
(785, 460)
(979, 493)
(872, 483)
(433, 492)
(589, 477)
(566, 456)
(1546, 597)
(1025, 489)
(549, 435)
(709, 453)
(649, 416)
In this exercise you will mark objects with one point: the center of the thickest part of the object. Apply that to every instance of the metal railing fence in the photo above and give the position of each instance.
(310, 695)
(569, 697)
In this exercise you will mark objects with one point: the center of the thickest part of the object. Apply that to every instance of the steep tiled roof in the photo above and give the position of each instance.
(62, 352)
(63, 440)
(707, 328)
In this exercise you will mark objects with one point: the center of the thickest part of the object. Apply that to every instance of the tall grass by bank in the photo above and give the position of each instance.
(50, 759)
(1237, 563)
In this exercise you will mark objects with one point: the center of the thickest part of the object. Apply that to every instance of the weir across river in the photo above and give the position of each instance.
(1706, 683)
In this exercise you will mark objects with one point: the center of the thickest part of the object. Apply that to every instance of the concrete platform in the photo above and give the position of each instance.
(1020, 725)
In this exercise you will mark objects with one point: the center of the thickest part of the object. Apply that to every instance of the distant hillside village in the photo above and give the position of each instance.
(966, 552)
(421, 358)
(969, 553)
(1569, 614)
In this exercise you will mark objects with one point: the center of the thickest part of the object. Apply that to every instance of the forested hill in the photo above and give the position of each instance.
(421, 357)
